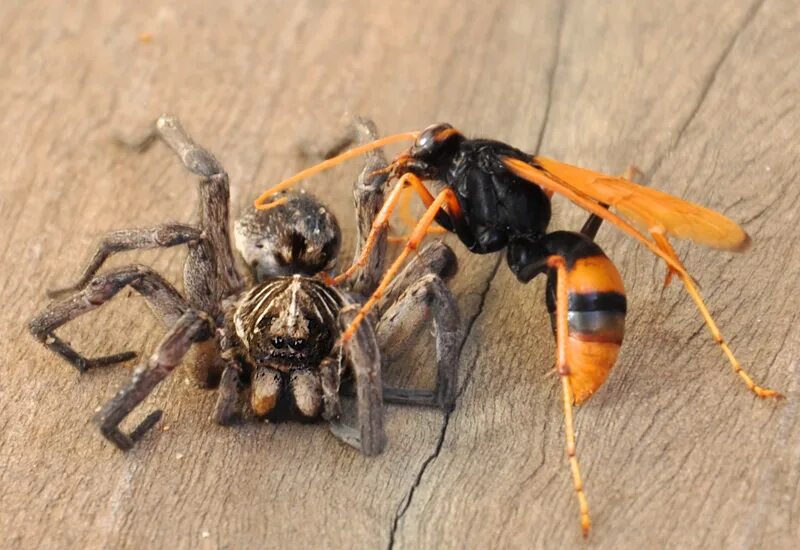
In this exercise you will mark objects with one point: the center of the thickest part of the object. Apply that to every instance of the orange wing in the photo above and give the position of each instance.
(653, 211)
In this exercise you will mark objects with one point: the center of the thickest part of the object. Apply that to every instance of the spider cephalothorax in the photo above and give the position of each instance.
(287, 327)
(284, 322)
(277, 340)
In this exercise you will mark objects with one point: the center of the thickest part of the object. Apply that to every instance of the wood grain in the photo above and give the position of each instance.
(703, 96)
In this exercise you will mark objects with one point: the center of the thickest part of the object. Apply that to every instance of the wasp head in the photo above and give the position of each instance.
(431, 153)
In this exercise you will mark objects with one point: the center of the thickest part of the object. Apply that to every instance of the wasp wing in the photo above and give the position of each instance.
(588, 202)
(648, 208)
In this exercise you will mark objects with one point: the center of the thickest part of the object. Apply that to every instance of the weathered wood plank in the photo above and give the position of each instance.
(702, 96)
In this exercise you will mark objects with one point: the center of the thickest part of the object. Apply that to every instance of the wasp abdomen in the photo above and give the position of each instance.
(596, 316)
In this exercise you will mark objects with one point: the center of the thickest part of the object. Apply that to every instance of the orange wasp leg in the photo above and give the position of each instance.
(407, 181)
(261, 202)
(562, 367)
(404, 212)
(445, 197)
(691, 288)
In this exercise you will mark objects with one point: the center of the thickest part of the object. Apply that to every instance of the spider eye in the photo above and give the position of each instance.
(278, 342)
(298, 344)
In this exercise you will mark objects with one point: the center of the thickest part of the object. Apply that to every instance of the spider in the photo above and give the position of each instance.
(275, 335)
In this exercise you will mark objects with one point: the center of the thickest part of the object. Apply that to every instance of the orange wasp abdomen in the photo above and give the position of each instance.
(596, 313)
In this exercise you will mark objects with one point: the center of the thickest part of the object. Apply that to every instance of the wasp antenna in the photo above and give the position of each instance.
(261, 202)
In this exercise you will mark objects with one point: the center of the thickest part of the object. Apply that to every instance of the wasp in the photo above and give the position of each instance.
(494, 197)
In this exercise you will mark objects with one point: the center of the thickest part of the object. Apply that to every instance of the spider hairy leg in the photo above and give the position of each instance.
(227, 396)
(401, 321)
(161, 236)
(214, 253)
(381, 221)
(162, 297)
(192, 327)
(169, 129)
(369, 194)
(363, 354)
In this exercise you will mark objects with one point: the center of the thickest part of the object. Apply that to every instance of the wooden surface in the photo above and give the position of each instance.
(703, 96)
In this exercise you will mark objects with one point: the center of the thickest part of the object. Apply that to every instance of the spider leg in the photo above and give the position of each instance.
(381, 221)
(192, 327)
(445, 197)
(161, 236)
(418, 289)
(213, 257)
(330, 382)
(369, 196)
(227, 395)
(162, 297)
(436, 258)
(363, 355)
(402, 320)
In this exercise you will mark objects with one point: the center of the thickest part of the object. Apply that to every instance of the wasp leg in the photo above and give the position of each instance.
(691, 288)
(408, 219)
(192, 327)
(445, 197)
(563, 369)
(161, 236)
(162, 297)
(363, 355)
(381, 221)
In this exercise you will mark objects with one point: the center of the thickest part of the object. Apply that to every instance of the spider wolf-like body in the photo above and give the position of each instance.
(277, 335)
